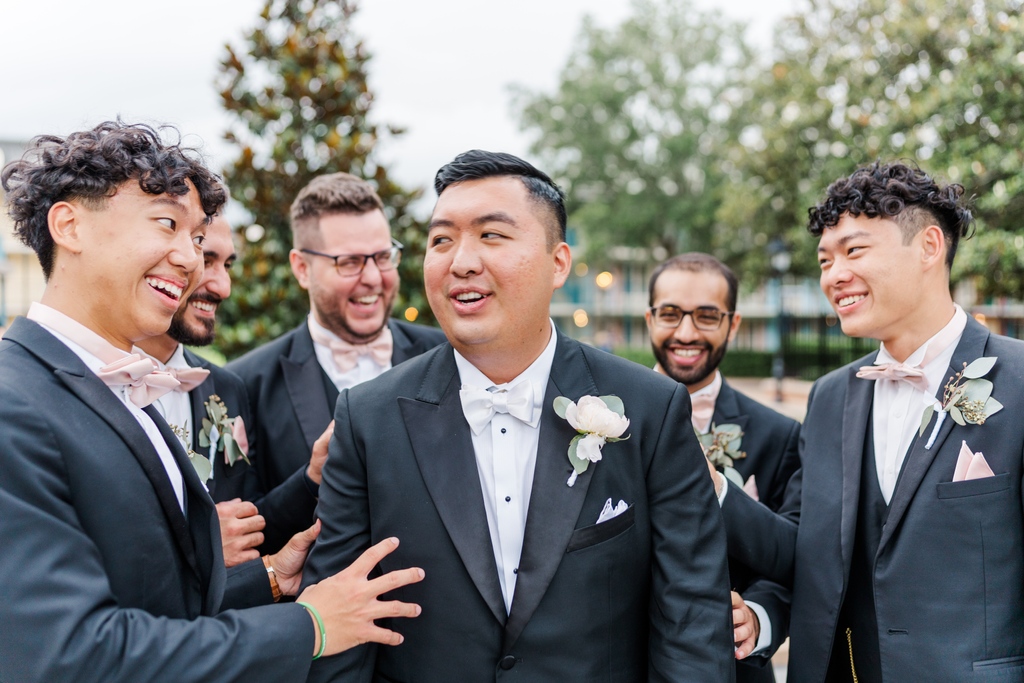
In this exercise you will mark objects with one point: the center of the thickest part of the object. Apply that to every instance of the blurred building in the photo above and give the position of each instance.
(21, 277)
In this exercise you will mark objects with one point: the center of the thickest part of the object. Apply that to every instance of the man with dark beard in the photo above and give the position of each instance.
(691, 320)
(250, 515)
(344, 256)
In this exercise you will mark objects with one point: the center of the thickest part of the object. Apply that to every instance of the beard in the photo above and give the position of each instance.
(327, 310)
(696, 373)
(197, 332)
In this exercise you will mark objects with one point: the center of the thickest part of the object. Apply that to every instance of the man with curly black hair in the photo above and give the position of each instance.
(111, 554)
(902, 535)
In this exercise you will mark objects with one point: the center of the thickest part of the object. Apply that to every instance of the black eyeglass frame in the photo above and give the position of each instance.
(722, 315)
(394, 258)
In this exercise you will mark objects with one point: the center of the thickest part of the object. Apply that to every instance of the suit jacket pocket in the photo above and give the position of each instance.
(974, 487)
(598, 533)
(1001, 663)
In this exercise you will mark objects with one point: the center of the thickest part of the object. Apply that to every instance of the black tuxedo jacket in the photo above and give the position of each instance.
(771, 442)
(105, 578)
(950, 563)
(643, 596)
(289, 507)
(293, 399)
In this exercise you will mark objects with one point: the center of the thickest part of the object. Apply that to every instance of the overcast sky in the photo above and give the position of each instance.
(441, 68)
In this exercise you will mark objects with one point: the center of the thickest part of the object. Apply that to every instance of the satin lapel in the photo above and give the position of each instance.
(434, 418)
(554, 506)
(856, 414)
(196, 398)
(919, 460)
(727, 408)
(403, 347)
(305, 381)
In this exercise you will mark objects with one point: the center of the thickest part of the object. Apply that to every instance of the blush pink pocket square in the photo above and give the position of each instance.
(971, 465)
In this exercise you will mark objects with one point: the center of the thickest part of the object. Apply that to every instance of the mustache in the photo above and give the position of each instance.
(208, 297)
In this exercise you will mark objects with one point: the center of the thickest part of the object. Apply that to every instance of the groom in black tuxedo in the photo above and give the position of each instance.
(538, 570)
(902, 533)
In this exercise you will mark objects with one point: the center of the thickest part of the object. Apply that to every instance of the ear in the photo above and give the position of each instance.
(933, 247)
(563, 262)
(649, 319)
(735, 326)
(63, 220)
(300, 267)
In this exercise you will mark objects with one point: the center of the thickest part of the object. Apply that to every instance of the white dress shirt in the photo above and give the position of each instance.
(506, 455)
(121, 392)
(710, 391)
(176, 406)
(898, 405)
(366, 368)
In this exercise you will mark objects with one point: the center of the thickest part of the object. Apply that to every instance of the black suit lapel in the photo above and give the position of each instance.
(727, 408)
(856, 414)
(403, 348)
(554, 506)
(304, 379)
(919, 459)
(450, 473)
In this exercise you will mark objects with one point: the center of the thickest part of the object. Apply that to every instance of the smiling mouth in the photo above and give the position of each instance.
(173, 291)
(850, 300)
(367, 300)
(469, 297)
(204, 306)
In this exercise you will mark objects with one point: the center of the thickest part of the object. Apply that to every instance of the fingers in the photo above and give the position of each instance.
(745, 626)
(396, 579)
(372, 556)
(237, 509)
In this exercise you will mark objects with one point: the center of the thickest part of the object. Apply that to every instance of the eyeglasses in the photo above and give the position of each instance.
(707, 318)
(350, 265)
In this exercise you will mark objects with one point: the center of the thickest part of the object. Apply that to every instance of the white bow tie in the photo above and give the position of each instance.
(479, 405)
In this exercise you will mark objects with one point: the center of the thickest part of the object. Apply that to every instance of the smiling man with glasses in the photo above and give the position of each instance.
(691, 320)
(344, 256)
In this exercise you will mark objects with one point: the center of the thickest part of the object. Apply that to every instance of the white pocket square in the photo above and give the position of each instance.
(970, 465)
(609, 512)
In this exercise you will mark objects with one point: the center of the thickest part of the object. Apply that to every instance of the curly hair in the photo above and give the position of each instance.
(90, 166)
(900, 193)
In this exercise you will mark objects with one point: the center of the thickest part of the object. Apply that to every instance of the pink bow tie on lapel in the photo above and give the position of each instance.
(189, 378)
(900, 372)
(703, 410)
(346, 355)
(144, 381)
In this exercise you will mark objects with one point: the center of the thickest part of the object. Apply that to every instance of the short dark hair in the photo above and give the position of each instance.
(696, 262)
(90, 166)
(327, 195)
(901, 193)
(477, 164)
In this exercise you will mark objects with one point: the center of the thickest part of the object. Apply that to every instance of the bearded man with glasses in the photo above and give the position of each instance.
(691, 320)
(344, 256)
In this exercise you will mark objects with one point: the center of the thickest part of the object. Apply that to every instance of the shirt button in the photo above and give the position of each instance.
(502, 430)
(516, 570)
(508, 499)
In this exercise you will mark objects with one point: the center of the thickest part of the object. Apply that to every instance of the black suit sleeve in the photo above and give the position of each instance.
(788, 465)
(760, 538)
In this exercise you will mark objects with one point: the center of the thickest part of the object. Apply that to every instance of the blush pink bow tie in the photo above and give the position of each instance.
(911, 374)
(144, 382)
(189, 378)
(703, 410)
(346, 355)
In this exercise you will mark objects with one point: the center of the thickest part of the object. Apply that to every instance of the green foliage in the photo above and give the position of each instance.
(935, 82)
(635, 128)
(298, 93)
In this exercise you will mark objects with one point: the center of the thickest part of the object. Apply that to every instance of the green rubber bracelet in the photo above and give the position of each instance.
(320, 625)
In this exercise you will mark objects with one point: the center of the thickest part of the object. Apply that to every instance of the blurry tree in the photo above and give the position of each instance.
(637, 125)
(297, 90)
(937, 82)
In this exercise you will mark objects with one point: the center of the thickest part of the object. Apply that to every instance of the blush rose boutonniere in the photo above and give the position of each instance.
(221, 433)
(598, 420)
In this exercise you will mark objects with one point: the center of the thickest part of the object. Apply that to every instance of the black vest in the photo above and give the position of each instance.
(857, 629)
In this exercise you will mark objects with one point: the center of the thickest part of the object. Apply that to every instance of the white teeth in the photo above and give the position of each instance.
(367, 300)
(469, 296)
(847, 300)
(204, 306)
(173, 290)
(687, 353)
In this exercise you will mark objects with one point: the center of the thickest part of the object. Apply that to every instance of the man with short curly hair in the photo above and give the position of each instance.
(111, 555)
(902, 533)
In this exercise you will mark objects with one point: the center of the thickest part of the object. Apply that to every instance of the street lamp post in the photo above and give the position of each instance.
(780, 259)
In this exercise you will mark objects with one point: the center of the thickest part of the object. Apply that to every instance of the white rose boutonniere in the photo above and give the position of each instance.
(221, 433)
(722, 447)
(599, 420)
(967, 398)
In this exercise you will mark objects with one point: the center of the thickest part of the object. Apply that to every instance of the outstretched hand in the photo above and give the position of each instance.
(289, 560)
(745, 627)
(348, 601)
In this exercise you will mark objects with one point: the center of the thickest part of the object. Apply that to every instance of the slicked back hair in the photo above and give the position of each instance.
(327, 195)
(90, 166)
(477, 164)
(696, 262)
(901, 193)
